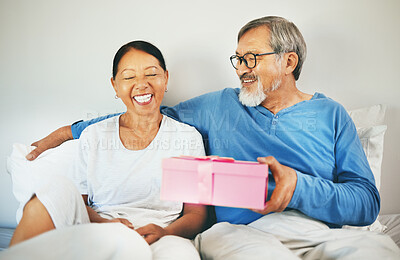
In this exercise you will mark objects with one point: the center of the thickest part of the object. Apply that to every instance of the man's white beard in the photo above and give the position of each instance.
(253, 99)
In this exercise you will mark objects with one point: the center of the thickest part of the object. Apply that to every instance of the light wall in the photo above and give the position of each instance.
(55, 61)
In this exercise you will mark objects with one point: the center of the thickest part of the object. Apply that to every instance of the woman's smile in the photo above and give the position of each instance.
(143, 99)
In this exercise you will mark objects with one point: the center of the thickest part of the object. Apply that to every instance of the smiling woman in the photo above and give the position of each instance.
(140, 79)
(120, 182)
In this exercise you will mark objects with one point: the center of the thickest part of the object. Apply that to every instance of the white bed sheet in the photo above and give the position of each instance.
(392, 222)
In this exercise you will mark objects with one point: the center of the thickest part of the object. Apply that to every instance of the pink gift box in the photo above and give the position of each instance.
(214, 181)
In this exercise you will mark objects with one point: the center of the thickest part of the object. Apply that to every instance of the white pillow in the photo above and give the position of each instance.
(25, 174)
(368, 116)
(372, 142)
(370, 126)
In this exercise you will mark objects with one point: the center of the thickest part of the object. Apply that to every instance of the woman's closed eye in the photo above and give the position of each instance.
(150, 75)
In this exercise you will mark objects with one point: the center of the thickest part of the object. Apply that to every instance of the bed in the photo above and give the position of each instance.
(390, 222)
(370, 128)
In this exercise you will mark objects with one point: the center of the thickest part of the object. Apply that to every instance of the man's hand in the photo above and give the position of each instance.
(52, 140)
(285, 179)
(123, 221)
(151, 233)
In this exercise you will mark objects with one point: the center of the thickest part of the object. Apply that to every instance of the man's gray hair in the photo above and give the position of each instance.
(284, 37)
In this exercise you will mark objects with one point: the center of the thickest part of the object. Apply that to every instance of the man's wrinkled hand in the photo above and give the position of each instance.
(285, 179)
(52, 140)
(41, 146)
(151, 233)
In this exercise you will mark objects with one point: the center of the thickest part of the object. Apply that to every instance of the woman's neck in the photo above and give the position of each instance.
(140, 123)
(138, 131)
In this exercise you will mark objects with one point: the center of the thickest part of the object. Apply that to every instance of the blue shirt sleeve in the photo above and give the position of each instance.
(79, 126)
(352, 198)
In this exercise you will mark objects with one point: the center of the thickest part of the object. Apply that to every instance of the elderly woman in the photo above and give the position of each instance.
(118, 165)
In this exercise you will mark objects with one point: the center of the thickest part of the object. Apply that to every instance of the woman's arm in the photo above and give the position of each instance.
(188, 225)
(191, 223)
(96, 218)
(93, 215)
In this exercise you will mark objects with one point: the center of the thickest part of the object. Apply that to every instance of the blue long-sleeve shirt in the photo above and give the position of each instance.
(317, 138)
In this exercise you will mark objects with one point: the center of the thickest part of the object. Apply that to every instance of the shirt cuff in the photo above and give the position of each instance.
(296, 194)
(74, 131)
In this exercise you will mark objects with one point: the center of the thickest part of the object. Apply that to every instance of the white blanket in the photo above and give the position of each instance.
(89, 241)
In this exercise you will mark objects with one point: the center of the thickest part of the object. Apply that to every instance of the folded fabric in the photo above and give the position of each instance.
(25, 174)
(89, 241)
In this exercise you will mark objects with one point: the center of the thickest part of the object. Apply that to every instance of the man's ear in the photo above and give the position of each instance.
(291, 62)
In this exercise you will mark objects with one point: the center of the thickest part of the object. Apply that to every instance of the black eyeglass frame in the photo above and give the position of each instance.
(242, 59)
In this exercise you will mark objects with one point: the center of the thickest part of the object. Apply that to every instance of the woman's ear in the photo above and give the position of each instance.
(114, 86)
(291, 62)
(166, 74)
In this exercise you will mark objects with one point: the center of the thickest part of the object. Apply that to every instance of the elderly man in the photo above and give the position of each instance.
(320, 178)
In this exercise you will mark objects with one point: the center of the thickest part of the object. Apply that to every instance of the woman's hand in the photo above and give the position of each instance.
(151, 233)
(96, 218)
(121, 220)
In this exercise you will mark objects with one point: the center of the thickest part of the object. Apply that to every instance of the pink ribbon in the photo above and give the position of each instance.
(205, 175)
(205, 183)
(213, 158)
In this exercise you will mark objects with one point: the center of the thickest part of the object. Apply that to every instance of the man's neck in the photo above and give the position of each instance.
(284, 97)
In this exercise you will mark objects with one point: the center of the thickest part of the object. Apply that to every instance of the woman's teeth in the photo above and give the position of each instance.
(143, 98)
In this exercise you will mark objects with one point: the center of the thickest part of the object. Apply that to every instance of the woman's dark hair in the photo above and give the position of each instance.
(140, 46)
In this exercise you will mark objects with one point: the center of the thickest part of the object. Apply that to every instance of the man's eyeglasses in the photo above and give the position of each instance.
(249, 59)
